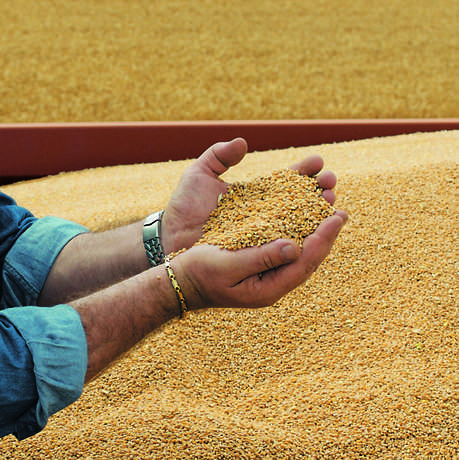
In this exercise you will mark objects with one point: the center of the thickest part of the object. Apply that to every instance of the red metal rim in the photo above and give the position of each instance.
(34, 150)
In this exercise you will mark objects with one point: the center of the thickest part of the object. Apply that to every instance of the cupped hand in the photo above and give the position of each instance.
(200, 185)
(253, 277)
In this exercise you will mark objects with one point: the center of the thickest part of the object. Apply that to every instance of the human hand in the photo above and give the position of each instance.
(213, 277)
(197, 192)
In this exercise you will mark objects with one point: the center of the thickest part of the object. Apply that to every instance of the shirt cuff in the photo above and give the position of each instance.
(29, 261)
(57, 343)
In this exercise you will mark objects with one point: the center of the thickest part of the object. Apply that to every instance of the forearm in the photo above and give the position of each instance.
(92, 261)
(118, 317)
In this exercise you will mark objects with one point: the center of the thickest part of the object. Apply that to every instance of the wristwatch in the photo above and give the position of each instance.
(152, 238)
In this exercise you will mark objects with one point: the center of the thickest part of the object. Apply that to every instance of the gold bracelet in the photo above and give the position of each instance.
(176, 286)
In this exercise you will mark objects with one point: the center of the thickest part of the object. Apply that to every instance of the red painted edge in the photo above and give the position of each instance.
(33, 150)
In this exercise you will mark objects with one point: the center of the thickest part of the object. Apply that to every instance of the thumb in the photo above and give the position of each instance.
(221, 156)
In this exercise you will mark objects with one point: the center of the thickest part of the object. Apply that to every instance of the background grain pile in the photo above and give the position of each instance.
(128, 60)
(361, 362)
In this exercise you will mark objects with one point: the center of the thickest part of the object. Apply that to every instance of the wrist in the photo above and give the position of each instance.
(184, 277)
(176, 286)
(171, 233)
(161, 289)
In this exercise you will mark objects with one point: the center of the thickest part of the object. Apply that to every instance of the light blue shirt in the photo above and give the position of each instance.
(43, 350)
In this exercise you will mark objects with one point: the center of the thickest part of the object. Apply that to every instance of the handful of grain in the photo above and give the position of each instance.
(284, 204)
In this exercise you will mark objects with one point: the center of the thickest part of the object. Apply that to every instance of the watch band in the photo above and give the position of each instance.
(152, 238)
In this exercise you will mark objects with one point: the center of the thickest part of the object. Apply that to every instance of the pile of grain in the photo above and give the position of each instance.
(129, 60)
(283, 204)
(360, 362)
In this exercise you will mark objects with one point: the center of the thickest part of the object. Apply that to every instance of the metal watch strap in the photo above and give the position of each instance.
(151, 238)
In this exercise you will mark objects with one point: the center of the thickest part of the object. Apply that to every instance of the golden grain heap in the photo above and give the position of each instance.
(284, 204)
(359, 362)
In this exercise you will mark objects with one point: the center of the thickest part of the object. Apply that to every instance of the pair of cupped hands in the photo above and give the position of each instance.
(212, 277)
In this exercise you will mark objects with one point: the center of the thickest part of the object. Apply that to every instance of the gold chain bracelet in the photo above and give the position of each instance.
(176, 286)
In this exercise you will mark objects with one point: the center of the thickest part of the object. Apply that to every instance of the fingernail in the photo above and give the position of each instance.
(344, 217)
(289, 253)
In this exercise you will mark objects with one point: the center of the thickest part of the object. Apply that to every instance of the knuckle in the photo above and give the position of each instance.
(268, 261)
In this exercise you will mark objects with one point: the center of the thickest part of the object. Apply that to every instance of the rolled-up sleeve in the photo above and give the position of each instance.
(30, 259)
(49, 359)
(43, 348)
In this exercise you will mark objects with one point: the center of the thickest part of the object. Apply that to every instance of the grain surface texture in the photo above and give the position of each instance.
(360, 362)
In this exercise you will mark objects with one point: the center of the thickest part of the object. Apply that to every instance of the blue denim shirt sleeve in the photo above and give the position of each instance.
(16, 373)
(45, 370)
(14, 221)
(43, 348)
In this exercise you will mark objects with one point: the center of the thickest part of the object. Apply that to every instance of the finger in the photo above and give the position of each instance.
(328, 229)
(330, 196)
(252, 261)
(257, 289)
(316, 247)
(309, 166)
(326, 180)
(222, 155)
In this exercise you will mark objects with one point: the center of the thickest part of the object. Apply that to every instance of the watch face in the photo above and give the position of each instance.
(152, 218)
(151, 238)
